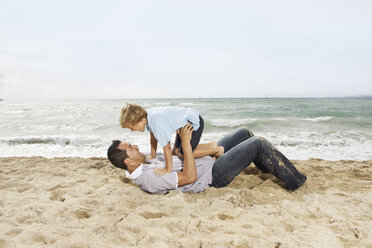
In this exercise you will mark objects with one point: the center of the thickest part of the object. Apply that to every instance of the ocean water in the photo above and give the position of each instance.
(332, 129)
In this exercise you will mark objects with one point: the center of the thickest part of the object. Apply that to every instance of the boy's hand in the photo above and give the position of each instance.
(161, 171)
(149, 157)
(186, 133)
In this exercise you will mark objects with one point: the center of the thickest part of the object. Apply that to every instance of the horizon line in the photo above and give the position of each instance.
(138, 98)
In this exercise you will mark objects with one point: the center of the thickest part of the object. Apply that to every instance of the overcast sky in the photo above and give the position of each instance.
(194, 48)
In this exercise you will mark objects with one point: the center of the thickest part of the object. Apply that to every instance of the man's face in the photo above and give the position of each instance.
(132, 151)
(140, 126)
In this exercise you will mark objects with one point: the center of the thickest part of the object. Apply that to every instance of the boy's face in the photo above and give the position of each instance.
(140, 126)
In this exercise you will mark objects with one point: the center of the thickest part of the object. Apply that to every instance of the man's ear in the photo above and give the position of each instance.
(127, 161)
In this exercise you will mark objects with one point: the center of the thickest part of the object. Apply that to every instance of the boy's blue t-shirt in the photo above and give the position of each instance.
(164, 121)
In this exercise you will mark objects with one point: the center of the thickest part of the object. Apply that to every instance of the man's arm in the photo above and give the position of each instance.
(188, 175)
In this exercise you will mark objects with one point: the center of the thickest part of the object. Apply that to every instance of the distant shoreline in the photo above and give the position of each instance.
(163, 98)
(357, 97)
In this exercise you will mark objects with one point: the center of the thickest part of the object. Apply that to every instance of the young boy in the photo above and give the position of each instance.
(162, 122)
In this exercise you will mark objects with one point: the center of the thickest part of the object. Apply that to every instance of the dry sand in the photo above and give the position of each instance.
(75, 202)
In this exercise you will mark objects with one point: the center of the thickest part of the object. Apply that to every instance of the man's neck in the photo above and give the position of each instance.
(132, 168)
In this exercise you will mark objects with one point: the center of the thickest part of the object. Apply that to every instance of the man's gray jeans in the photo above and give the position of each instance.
(241, 149)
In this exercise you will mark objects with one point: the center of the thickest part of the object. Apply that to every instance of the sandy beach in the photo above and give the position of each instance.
(75, 202)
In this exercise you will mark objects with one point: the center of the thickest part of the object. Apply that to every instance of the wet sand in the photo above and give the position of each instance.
(75, 202)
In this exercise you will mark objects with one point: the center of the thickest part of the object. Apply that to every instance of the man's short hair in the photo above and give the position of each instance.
(117, 156)
(131, 114)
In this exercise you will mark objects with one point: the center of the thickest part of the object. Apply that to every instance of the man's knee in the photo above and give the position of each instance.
(245, 131)
(257, 140)
(256, 144)
(265, 142)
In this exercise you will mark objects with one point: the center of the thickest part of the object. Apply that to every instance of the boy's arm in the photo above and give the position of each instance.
(168, 157)
(168, 161)
(174, 150)
(154, 145)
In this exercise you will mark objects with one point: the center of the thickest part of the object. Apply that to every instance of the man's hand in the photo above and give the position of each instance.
(186, 133)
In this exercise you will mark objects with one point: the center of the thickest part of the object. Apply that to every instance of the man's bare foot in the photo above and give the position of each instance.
(221, 150)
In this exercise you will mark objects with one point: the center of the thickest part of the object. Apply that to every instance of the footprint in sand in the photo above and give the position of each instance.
(14, 232)
(21, 218)
(23, 189)
(98, 165)
(40, 238)
(225, 217)
(57, 195)
(288, 227)
(150, 215)
(82, 214)
(58, 186)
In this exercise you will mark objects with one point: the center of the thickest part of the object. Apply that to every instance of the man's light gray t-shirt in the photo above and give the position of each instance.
(152, 183)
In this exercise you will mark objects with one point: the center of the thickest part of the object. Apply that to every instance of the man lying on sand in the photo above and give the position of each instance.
(196, 175)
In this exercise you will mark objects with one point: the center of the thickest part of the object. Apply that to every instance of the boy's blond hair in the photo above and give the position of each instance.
(131, 114)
